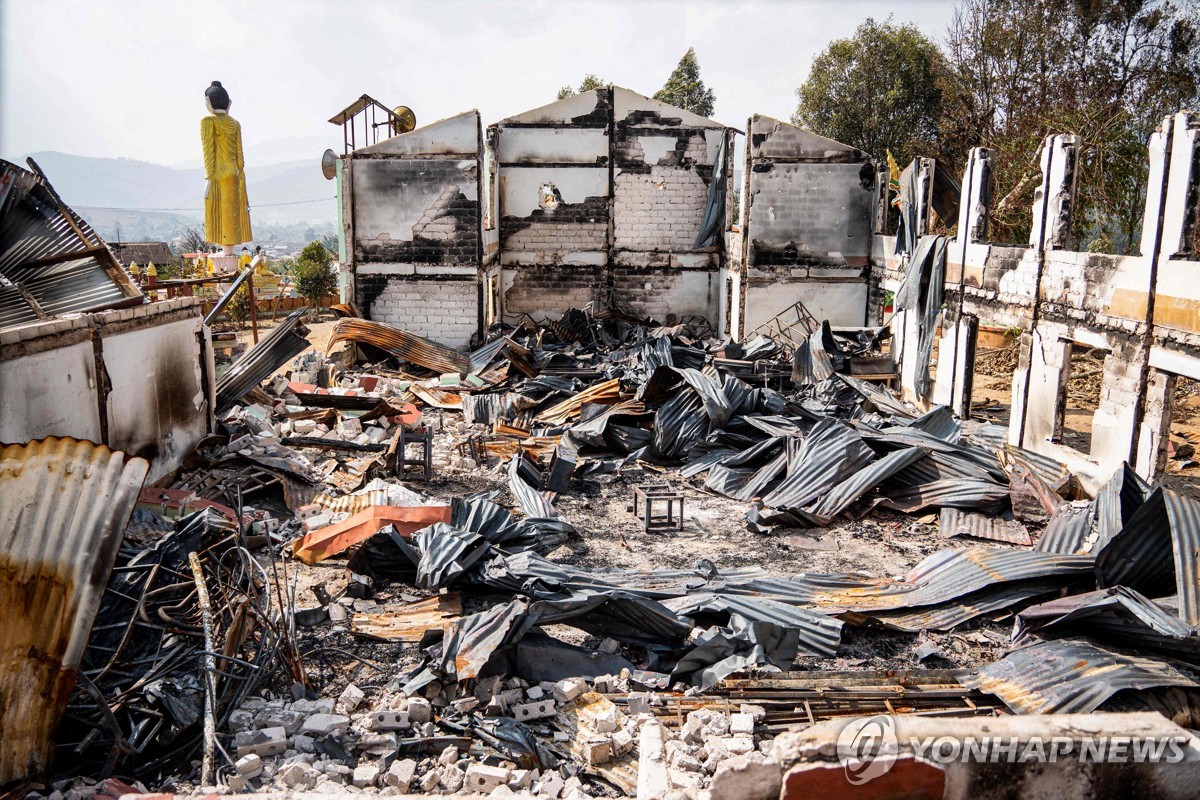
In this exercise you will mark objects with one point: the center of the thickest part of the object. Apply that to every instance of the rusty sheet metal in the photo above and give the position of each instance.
(1071, 676)
(63, 508)
(1068, 530)
(1157, 552)
(438, 398)
(410, 621)
(401, 344)
(606, 392)
(51, 261)
(947, 616)
(341, 536)
(955, 522)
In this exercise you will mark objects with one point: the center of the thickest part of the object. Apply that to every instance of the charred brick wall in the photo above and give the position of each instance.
(438, 309)
(599, 185)
(416, 229)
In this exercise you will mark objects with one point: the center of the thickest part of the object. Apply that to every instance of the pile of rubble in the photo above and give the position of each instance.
(377, 628)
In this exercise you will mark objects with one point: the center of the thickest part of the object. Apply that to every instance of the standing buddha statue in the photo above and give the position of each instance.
(226, 209)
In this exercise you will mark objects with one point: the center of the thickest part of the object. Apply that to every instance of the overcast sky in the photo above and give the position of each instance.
(127, 77)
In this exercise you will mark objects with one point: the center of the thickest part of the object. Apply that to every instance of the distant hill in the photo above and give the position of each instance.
(129, 186)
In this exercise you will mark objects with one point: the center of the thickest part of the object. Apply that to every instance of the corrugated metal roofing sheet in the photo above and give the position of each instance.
(283, 343)
(401, 344)
(1070, 676)
(1157, 552)
(63, 508)
(53, 255)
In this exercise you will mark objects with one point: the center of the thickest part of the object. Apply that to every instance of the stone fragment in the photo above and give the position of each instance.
(448, 756)
(351, 698)
(297, 775)
(419, 710)
(429, 781)
(451, 777)
(741, 724)
(568, 689)
(365, 775)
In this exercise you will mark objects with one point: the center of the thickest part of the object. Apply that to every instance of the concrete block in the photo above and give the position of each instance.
(530, 711)
(747, 777)
(264, 743)
(390, 720)
(317, 522)
(483, 779)
(325, 724)
(429, 781)
(741, 724)
(249, 765)
(597, 751)
(653, 778)
(365, 775)
(568, 689)
(400, 774)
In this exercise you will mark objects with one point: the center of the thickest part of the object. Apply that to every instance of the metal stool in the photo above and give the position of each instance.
(657, 503)
(422, 465)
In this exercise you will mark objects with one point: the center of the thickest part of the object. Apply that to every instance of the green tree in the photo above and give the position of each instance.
(685, 90)
(1106, 72)
(590, 83)
(314, 274)
(877, 90)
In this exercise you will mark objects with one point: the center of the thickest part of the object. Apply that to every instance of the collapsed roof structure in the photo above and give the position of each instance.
(565, 311)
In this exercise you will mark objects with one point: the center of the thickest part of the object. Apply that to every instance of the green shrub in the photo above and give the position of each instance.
(314, 274)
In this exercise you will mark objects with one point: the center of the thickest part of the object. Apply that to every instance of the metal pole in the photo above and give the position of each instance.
(253, 307)
(208, 767)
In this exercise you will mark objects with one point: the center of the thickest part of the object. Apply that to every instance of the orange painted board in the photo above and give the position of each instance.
(341, 536)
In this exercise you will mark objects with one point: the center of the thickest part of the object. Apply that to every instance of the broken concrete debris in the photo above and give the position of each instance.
(381, 638)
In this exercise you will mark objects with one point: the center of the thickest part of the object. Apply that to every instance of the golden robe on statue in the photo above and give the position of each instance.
(226, 209)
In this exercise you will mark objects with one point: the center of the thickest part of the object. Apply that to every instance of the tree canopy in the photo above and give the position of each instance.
(879, 89)
(684, 89)
(589, 83)
(1010, 73)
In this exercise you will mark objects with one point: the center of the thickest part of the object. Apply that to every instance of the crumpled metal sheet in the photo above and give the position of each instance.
(947, 616)
(1071, 676)
(63, 508)
(742, 644)
(841, 496)
(1157, 552)
(1068, 530)
(827, 456)
(401, 344)
(281, 345)
(921, 292)
(1118, 616)
(819, 634)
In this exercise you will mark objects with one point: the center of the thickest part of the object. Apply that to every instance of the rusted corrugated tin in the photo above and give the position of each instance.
(51, 261)
(63, 508)
(1070, 676)
(401, 344)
